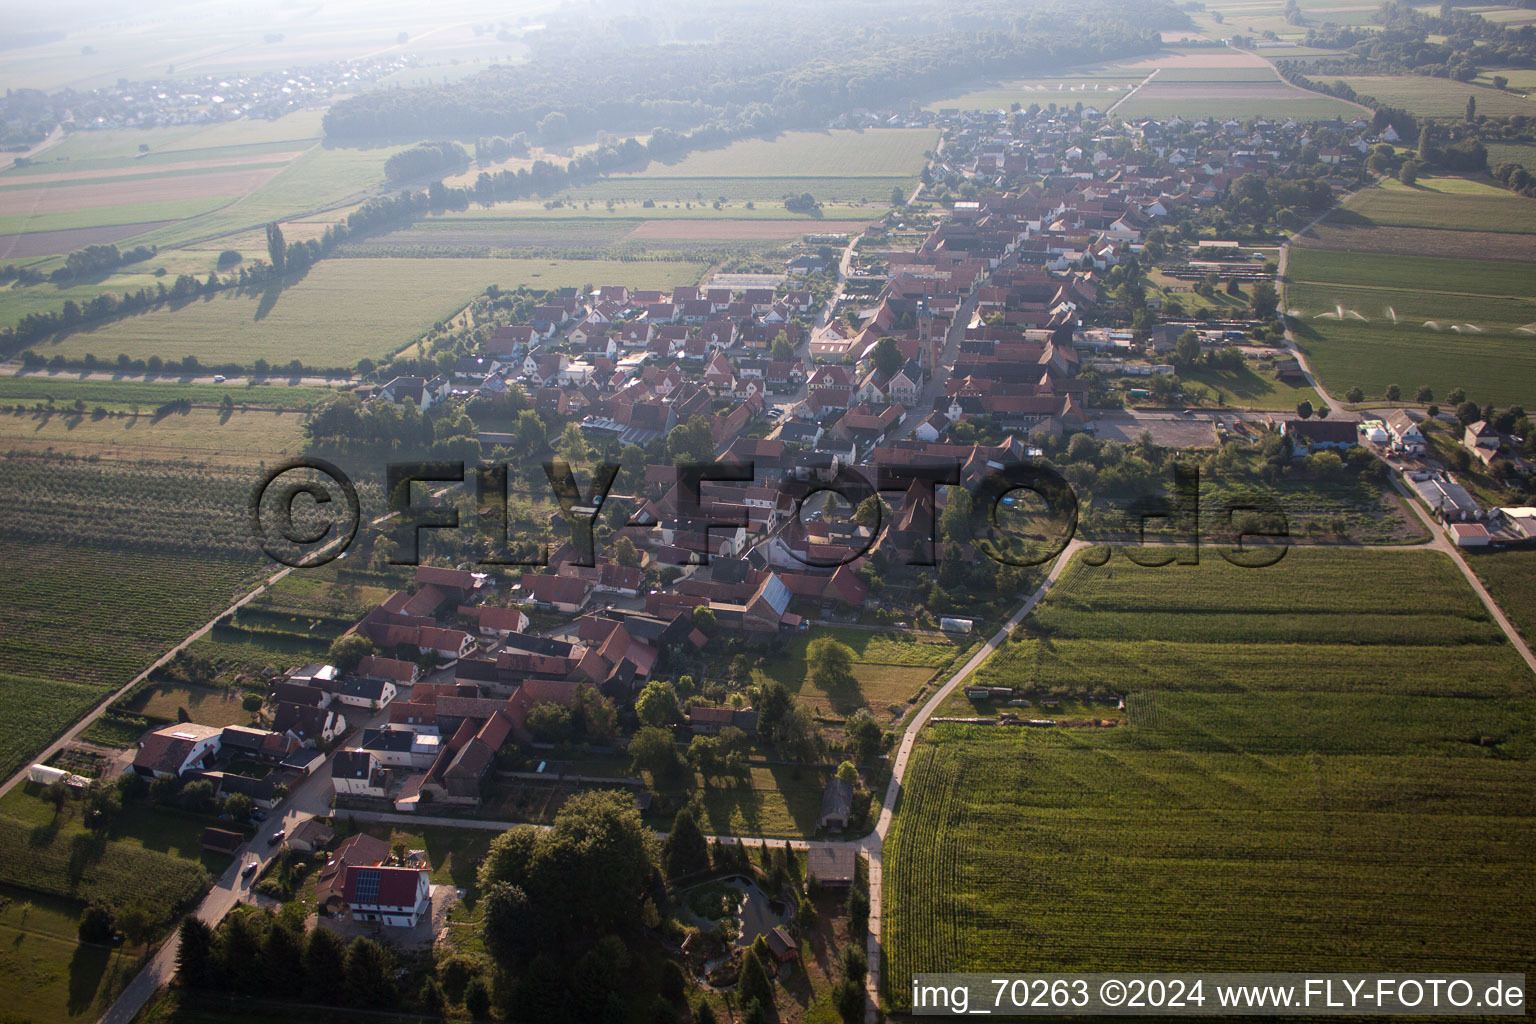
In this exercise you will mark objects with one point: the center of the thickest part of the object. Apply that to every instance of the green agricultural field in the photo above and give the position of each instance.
(16, 301)
(496, 236)
(1522, 79)
(114, 149)
(320, 178)
(1424, 96)
(876, 153)
(102, 598)
(1513, 17)
(1410, 320)
(1216, 99)
(107, 216)
(1448, 203)
(344, 309)
(1508, 575)
(1522, 153)
(80, 544)
(676, 193)
(1410, 273)
(1243, 74)
(592, 208)
(774, 801)
(1302, 749)
(66, 389)
(890, 670)
(37, 708)
(325, 591)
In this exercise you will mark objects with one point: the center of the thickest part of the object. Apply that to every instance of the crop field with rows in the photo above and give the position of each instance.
(108, 567)
(1285, 791)
(163, 507)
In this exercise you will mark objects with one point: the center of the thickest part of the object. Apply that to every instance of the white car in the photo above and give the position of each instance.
(219, 378)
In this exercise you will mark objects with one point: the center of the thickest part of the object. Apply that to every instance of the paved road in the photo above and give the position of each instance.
(311, 798)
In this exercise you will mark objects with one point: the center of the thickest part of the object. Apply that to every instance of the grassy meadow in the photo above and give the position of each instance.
(1423, 96)
(1446, 203)
(890, 670)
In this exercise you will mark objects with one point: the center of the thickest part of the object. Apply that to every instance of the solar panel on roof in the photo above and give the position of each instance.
(367, 890)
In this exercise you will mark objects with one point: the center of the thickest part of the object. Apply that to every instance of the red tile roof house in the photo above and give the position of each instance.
(376, 666)
(562, 593)
(172, 750)
(393, 897)
(491, 619)
(311, 726)
(361, 850)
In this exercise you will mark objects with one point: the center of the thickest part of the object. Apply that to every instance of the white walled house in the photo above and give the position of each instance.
(393, 897)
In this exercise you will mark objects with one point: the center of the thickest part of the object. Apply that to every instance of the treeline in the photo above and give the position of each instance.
(185, 367)
(93, 259)
(1516, 178)
(341, 423)
(97, 259)
(258, 954)
(424, 160)
(1467, 155)
(765, 70)
(497, 148)
(1405, 124)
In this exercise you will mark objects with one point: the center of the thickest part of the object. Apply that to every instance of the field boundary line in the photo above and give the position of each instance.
(873, 844)
(1133, 91)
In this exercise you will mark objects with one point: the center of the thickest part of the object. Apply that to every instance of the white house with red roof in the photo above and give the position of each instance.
(394, 897)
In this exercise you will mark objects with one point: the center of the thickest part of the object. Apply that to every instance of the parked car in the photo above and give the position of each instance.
(249, 869)
(258, 815)
(277, 837)
(219, 378)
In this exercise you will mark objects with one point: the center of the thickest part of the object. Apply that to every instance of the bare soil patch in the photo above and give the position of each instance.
(1223, 59)
(1350, 236)
(67, 198)
(49, 243)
